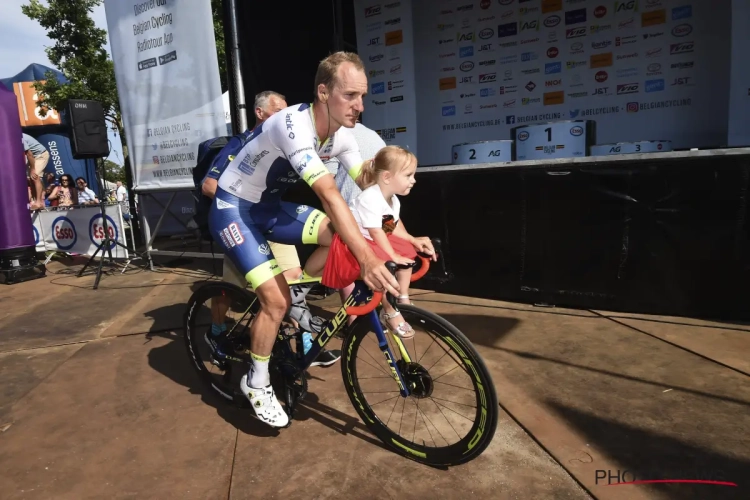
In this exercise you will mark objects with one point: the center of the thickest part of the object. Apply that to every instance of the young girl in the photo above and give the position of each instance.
(376, 211)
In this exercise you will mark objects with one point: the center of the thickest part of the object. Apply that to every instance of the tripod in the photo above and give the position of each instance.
(107, 243)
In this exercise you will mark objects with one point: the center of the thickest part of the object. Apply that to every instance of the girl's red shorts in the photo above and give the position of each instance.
(342, 269)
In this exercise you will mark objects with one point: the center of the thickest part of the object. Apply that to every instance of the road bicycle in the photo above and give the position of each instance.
(411, 374)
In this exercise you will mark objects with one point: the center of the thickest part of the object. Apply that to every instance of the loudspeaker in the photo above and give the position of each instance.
(88, 129)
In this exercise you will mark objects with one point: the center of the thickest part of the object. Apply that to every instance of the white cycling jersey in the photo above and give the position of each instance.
(284, 149)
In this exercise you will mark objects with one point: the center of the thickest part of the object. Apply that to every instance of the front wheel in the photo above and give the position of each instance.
(450, 416)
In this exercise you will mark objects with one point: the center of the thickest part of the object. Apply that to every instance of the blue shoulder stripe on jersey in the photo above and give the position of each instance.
(303, 107)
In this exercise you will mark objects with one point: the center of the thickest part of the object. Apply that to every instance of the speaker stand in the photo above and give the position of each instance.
(107, 243)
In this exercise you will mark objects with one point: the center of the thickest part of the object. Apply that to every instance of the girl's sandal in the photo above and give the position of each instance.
(405, 299)
(403, 330)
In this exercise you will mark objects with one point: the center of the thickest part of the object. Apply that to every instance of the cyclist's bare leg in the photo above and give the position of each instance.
(317, 261)
(404, 280)
(219, 307)
(275, 300)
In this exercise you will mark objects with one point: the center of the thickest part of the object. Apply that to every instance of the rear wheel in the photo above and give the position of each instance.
(221, 374)
(450, 416)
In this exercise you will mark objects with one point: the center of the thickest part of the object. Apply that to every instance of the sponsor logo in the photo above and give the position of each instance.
(378, 88)
(575, 16)
(485, 4)
(598, 28)
(576, 48)
(530, 25)
(466, 79)
(467, 36)
(234, 232)
(507, 89)
(449, 110)
(576, 131)
(601, 60)
(488, 62)
(628, 6)
(504, 30)
(653, 69)
(488, 78)
(372, 11)
(682, 65)
(525, 101)
(445, 40)
(552, 52)
(466, 51)
(397, 98)
(487, 106)
(681, 48)
(443, 27)
(625, 40)
(650, 4)
(528, 10)
(522, 136)
(373, 27)
(682, 80)
(633, 55)
(601, 45)
(624, 73)
(466, 66)
(551, 36)
(465, 8)
(552, 21)
(575, 95)
(373, 73)
(655, 52)
(486, 33)
(395, 70)
(575, 64)
(487, 92)
(394, 37)
(682, 30)
(554, 98)
(601, 91)
(551, 6)
(682, 12)
(553, 83)
(530, 71)
(374, 41)
(507, 76)
(632, 107)
(393, 22)
(575, 32)
(529, 56)
(395, 84)
(507, 14)
(551, 68)
(378, 103)
(505, 2)
(530, 86)
(392, 5)
(600, 11)
(448, 68)
(628, 23)
(376, 58)
(448, 83)
(510, 103)
(646, 36)
(654, 85)
(628, 88)
(529, 40)
(601, 76)
(653, 18)
(487, 47)
(485, 19)
(468, 95)
(508, 44)
(447, 54)
(508, 59)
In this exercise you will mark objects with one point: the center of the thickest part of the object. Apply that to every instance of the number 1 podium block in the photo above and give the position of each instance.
(563, 139)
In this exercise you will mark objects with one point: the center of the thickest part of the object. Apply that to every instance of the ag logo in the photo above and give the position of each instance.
(64, 233)
(96, 231)
(302, 209)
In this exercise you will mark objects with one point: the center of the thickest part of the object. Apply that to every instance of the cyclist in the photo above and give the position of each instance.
(247, 208)
(267, 103)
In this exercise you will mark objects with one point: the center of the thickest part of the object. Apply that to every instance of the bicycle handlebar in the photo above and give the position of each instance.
(377, 297)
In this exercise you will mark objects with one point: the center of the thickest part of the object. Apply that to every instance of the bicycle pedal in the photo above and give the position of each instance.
(221, 364)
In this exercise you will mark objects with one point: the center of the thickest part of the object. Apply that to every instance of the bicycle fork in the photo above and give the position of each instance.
(383, 344)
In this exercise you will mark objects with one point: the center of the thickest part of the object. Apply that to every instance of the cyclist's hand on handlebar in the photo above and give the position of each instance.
(402, 261)
(424, 245)
(378, 277)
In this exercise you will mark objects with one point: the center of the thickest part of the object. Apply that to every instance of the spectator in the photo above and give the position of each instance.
(37, 158)
(122, 197)
(85, 195)
(51, 185)
(66, 193)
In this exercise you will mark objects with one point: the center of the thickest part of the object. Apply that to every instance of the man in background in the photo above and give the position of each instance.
(37, 157)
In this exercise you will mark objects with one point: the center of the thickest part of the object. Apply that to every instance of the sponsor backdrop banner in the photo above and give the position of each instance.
(385, 42)
(739, 90)
(168, 81)
(78, 231)
(641, 69)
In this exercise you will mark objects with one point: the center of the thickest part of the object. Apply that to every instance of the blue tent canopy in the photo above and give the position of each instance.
(55, 138)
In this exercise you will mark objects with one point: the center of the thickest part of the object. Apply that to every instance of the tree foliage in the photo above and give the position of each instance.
(79, 53)
(113, 172)
(217, 11)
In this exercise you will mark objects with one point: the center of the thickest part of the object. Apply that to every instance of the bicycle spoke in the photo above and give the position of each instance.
(452, 385)
(446, 418)
(454, 402)
(380, 402)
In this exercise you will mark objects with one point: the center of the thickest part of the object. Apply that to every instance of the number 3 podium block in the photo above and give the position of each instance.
(563, 139)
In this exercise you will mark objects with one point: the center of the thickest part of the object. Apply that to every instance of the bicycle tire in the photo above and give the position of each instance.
(476, 440)
(193, 333)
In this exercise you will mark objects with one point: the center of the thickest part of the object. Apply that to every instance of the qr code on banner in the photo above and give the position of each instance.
(388, 134)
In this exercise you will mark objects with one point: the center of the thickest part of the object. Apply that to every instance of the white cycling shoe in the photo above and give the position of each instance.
(267, 408)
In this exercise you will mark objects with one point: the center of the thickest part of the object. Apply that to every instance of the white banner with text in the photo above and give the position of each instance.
(80, 230)
(167, 74)
(385, 42)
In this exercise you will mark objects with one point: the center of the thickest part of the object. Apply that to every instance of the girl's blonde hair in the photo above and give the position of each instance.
(388, 159)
